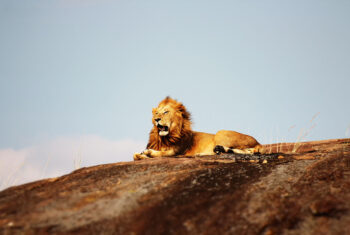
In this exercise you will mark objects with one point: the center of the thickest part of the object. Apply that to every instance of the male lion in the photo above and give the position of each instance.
(172, 135)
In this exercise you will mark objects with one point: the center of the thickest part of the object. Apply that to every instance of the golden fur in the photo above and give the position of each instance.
(172, 135)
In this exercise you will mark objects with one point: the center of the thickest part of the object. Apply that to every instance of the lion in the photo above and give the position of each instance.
(172, 135)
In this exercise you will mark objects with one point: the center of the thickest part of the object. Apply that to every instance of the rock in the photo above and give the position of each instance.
(301, 188)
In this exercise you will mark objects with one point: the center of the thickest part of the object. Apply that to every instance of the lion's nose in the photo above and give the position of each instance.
(157, 119)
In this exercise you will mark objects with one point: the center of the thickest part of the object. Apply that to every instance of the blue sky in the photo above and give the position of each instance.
(86, 74)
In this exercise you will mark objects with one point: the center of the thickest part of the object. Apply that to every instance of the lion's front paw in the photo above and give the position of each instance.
(139, 156)
(149, 152)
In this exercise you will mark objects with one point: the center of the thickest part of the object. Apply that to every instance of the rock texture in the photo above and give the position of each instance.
(294, 188)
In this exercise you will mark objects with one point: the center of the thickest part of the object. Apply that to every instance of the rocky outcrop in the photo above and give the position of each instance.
(294, 188)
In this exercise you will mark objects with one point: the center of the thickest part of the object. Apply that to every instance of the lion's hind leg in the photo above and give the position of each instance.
(235, 142)
(244, 151)
(222, 149)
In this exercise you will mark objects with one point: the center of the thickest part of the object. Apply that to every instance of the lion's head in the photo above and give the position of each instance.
(171, 123)
(170, 117)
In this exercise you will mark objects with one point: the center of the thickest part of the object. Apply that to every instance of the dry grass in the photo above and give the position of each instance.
(280, 142)
(304, 133)
(12, 178)
(347, 132)
(78, 158)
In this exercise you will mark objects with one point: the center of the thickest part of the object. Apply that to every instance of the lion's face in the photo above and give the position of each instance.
(165, 119)
(168, 117)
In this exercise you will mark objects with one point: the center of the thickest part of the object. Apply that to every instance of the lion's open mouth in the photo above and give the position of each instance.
(163, 130)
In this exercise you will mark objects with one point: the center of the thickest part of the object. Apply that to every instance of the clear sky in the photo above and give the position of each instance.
(78, 78)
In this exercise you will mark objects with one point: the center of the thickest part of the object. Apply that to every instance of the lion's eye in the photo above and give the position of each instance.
(166, 112)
